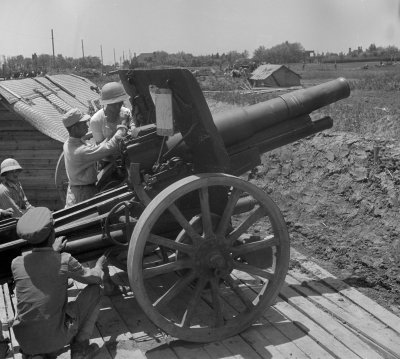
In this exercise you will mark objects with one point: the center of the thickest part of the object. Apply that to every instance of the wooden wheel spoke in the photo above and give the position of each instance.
(268, 242)
(239, 292)
(172, 292)
(169, 243)
(216, 303)
(226, 216)
(193, 303)
(205, 212)
(249, 269)
(167, 268)
(180, 218)
(246, 224)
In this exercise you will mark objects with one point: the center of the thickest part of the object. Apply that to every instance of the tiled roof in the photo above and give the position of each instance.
(42, 101)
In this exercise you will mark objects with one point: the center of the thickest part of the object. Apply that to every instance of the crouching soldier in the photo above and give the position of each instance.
(45, 321)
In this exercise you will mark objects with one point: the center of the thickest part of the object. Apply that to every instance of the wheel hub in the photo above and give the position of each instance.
(212, 260)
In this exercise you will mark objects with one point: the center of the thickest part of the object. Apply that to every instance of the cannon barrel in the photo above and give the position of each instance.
(239, 124)
(250, 131)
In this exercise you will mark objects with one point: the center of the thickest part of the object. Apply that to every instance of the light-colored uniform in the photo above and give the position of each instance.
(13, 196)
(103, 129)
(80, 164)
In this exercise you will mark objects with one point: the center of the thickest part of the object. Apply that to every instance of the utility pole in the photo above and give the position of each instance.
(52, 44)
(101, 54)
(83, 51)
(115, 61)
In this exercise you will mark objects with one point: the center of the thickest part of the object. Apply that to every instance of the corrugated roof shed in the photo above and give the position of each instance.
(274, 75)
(263, 71)
(42, 101)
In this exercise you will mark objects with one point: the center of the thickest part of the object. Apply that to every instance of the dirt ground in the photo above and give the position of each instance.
(338, 193)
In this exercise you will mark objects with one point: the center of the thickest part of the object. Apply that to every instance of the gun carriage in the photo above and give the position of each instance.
(206, 251)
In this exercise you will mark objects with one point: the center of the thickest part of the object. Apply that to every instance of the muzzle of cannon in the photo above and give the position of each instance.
(206, 252)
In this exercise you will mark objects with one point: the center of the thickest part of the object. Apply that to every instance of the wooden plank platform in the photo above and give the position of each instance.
(315, 316)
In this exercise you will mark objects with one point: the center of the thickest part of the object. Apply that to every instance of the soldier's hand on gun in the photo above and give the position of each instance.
(60, 243)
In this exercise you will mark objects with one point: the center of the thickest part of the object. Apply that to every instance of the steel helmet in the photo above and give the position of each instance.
(113, 92)
(9, 164)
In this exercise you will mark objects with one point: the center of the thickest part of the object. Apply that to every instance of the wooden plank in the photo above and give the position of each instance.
(40, 163)
(32, 145)
(323, 319)
(264, 346)
(12, 122)
(145, 333)
(96, 337)
(4, 321)
(10, 314)
(237, 346)
(217, 350)
(117, 337)
(265, 338)
(161, 352)
(24, 135)
(348, 312)
(331, 346)
(384, 315)
(312, 329)
(297, 336)
(29, 154)
(186, 350)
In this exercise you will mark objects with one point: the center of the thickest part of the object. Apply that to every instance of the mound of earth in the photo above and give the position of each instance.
(339, 195)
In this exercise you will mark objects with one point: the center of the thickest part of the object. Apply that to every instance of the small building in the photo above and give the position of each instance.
(274, 76)
(31, 129)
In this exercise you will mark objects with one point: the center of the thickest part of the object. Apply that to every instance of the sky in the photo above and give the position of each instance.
(199, 27)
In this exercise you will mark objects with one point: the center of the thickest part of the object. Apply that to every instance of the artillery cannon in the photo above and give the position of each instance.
(206, 252)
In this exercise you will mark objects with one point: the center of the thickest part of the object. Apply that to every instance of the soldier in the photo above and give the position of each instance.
(45, 321)
(81, 157)
(104, 122)
(12, 197)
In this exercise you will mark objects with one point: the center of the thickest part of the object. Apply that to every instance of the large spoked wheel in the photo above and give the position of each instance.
(216, 273)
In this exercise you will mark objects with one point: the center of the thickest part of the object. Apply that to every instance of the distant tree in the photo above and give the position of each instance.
(372, 48)
(260, 54)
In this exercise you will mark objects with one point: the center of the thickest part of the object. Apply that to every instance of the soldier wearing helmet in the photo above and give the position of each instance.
(12, 197)
(104, 122)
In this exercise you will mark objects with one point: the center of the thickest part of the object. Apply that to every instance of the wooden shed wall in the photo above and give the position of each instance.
(36, 153)
(287, 77)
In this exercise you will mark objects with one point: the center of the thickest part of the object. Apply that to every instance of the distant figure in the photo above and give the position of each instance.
(12, 196)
